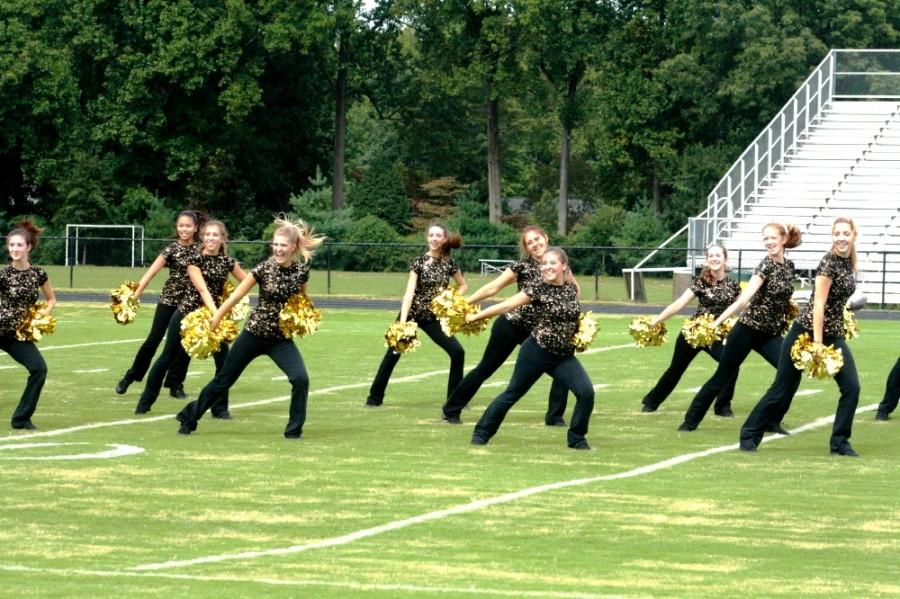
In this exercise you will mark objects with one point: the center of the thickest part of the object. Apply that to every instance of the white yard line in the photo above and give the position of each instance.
(77, 345)
(471, 506)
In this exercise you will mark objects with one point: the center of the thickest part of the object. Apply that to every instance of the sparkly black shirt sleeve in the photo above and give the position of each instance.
(843, 284)
(556, 311)
(769, 304)
(215, 271)
(528, 274)
(276, 285)
(713, 298)
(18, 291)
(178, 284)
(433, 276)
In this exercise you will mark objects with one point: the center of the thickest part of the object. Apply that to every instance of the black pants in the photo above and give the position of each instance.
(505, 337)
(26, 353)
(179, 367)
(891, 391)
(777, 399)
(448, 344)
(532, 362)
(173, 351)
(740, 341)
(247, 348)
(682, 357)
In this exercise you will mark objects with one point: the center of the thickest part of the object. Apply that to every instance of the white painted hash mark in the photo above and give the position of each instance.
(118, 450)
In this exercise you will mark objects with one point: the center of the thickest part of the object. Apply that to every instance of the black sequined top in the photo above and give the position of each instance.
(215, 271)
(276, 285)
(433, 277)
(18, 291)
(770, 303)
(714, 297)
(528, 273)
(178, 283)
(843, 284)
(556, 316)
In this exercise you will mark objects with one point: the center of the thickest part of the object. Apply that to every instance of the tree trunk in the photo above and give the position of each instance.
(562, 206)
(657, 196)
(495, 205)
(340, 125)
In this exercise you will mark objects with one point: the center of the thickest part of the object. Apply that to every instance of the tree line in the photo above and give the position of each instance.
(606, 121)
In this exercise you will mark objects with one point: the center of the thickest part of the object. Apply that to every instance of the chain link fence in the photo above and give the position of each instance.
(379, 270)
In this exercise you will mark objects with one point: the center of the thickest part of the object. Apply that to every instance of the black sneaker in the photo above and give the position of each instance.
(184, 427)
(451, 419)
(777, 429)
(879, 415)
(557, 422)
(293, 435)
(223, 415)
(478, 440)
(582, 445)
(647, 408)
(747, 445)
(844, 450)
(178, 392)
(122, 385)
(141, 409)
(373, 403)
(686, 428)
(725, 412)
(28, 425)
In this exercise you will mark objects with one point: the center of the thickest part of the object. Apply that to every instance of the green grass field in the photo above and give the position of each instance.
(390, 503)
(99, 279)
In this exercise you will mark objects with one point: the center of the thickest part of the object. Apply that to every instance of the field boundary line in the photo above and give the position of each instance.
(356, 586)
(78, 345)
(250, 404)
(474, 505)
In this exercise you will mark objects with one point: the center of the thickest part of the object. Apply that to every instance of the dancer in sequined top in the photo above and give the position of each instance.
(715, 291)
(549, 350)
(767, 299)
(283, 275)
(175, 256)
(208, 271)
(823, 319)
(19, 285)
(891, 394)
(509, 331)
(429, 275)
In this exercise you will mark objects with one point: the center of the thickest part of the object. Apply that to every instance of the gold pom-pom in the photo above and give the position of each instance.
(123, 303)
(197, 339)
(791, 312)
(401, 337)
(36, 324)
(851, 325)
(819, 361)
(451, 309)
(241, 309)
(587, 331)
(700, 332)
(299, 317)
(646, 335)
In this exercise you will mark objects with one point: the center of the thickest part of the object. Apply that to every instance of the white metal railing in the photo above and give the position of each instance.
(842, 75)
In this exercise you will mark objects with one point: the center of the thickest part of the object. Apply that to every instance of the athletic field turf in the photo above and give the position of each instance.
(388, 502)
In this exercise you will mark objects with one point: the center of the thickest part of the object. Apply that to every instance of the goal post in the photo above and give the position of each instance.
(73, 233)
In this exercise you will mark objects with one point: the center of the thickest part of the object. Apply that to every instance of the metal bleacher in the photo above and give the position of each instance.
(833, 150)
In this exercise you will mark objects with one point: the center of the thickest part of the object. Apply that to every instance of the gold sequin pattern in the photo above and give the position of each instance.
(433, 276)
(18, 291)
(843, 284)
(178, 283)
(276, 285)
(557, 314)
(766, 310)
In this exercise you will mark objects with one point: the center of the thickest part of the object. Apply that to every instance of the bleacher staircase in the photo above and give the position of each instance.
(846, 163)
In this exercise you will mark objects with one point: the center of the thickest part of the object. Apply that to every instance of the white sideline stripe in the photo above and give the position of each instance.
(77, 345)
(91, 371)
(356, 586)
(118, 450)
(474, 505)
